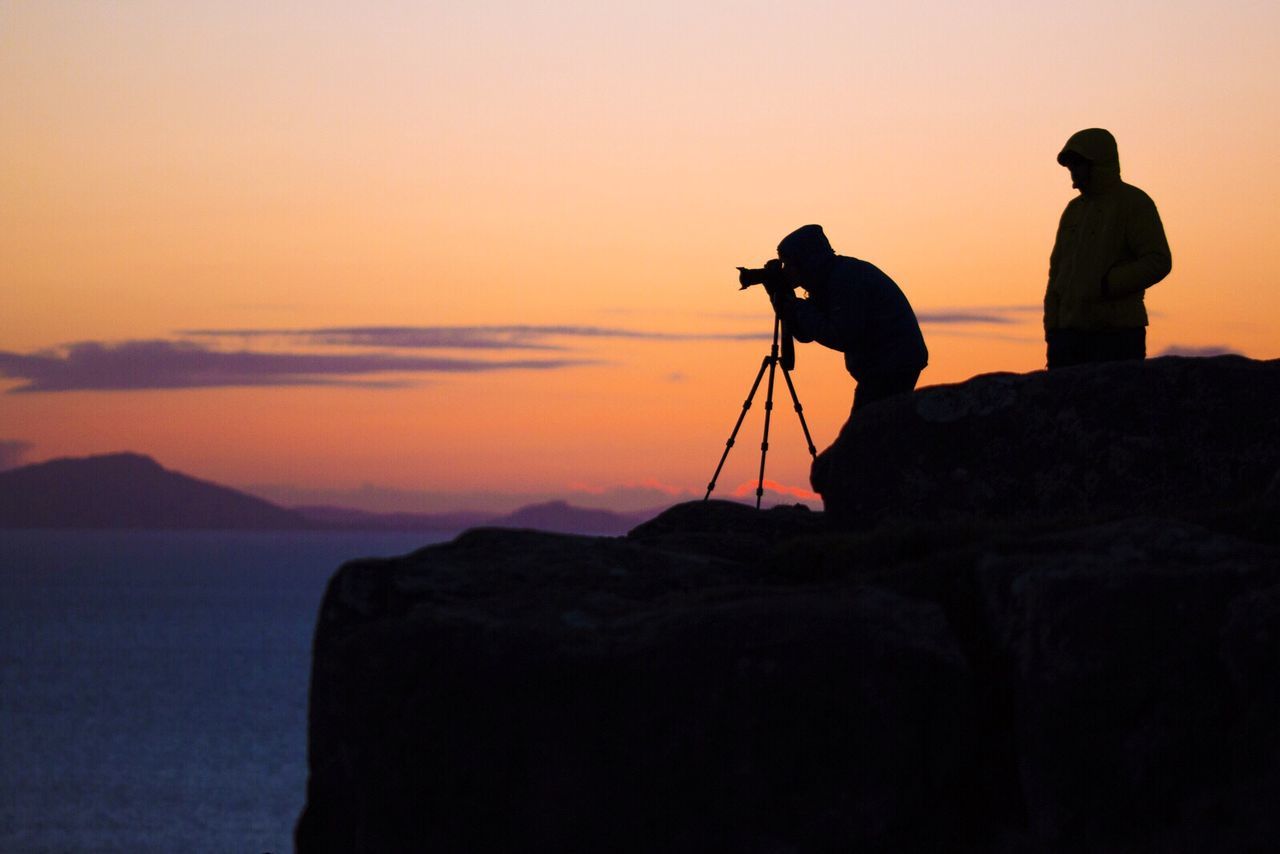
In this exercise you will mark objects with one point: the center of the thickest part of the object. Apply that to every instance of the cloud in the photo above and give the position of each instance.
(748, 489)
(964, 317)
(974, 315)
(135, 365)
(959, 323)
(459, 337)
(986, 335)
(544, 337)
(12, 452)
(1193, 350)
(282, 357)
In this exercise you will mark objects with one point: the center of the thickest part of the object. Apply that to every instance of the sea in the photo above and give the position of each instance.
(153, 685)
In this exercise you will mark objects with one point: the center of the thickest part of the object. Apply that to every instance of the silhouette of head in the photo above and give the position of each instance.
(806, 254)
(1080, 168)
(1092, 158)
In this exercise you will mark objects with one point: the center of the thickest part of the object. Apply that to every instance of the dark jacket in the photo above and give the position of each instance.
(862, 313)
(1109, 249)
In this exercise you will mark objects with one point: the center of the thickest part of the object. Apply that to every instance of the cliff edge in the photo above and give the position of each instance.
(1173, 436)
(942, 667)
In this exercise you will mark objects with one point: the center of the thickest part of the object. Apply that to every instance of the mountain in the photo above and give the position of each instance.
(130, 491)
(133, 491)
(554, 516)
(348, 518)
(560, 517)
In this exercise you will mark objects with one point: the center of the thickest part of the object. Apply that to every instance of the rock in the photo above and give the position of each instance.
(1169, 435)
(1137, 651)
(525, 691)
(1041, 613)
(726, 529)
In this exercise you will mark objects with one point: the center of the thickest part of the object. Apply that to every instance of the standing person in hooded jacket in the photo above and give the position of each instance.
(1110, 248)
(852, 307)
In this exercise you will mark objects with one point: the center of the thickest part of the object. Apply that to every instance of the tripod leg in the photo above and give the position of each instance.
(772, 362)
(786, 374)
(768, 360)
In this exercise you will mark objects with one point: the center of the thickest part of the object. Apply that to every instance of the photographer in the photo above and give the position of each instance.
(852, 307)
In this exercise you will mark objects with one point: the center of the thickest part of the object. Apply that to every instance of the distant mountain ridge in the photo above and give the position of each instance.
(562, 516)
(553, 516)
(350, 518)
(133, 491)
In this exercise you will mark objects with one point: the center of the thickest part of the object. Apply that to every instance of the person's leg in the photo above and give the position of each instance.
(871, 389)
(1067, 347)
(1123, 345)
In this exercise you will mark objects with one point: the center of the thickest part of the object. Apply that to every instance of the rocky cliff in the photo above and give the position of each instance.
(933, 664)
(1171, 436)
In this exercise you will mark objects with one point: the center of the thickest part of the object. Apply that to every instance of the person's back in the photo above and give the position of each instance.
(860, 311)
(855, 308)
(889, 339)
(1110, 247)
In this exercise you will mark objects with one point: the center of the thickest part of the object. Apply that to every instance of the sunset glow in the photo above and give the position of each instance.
(461, 254)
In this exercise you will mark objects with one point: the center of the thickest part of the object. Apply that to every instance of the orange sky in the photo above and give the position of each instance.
(165, 170)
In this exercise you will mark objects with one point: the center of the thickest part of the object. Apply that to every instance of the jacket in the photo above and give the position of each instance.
(861, 312)
(1109, 249)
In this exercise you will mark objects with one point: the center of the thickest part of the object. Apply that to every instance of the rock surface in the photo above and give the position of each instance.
(1173, 435)
(980, 678)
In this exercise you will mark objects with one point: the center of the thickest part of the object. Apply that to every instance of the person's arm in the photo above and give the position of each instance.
(1146, 242)
(1051, 295)
(1050, 306)
(826, 322)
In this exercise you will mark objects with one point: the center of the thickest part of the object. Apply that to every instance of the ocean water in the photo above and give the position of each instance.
(153, 685)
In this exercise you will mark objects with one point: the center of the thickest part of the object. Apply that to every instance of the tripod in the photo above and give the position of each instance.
(772, 362)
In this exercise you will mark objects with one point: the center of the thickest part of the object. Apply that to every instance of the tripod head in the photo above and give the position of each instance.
(780, 331)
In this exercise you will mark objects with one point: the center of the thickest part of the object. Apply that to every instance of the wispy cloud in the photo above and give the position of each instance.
(983, 314)
(1202, 350)
(460, 337)
(747, 489)
(967, 316)
(552, 337)
(135, 365)
(370, 356)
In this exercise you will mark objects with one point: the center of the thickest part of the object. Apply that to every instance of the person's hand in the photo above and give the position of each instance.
(781, 297)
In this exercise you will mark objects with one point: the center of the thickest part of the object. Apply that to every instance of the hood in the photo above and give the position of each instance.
(1098, 146)
(806, 247)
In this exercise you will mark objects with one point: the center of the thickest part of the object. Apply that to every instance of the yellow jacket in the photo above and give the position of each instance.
(1109, 249)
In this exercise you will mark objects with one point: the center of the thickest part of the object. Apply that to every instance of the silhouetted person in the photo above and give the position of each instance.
(1110, 248)
(852, 307)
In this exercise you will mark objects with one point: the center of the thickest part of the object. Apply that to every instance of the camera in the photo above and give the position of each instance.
(774, 281)
(770, 275)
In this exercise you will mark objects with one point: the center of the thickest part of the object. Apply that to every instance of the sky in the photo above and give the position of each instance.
(435, 256)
